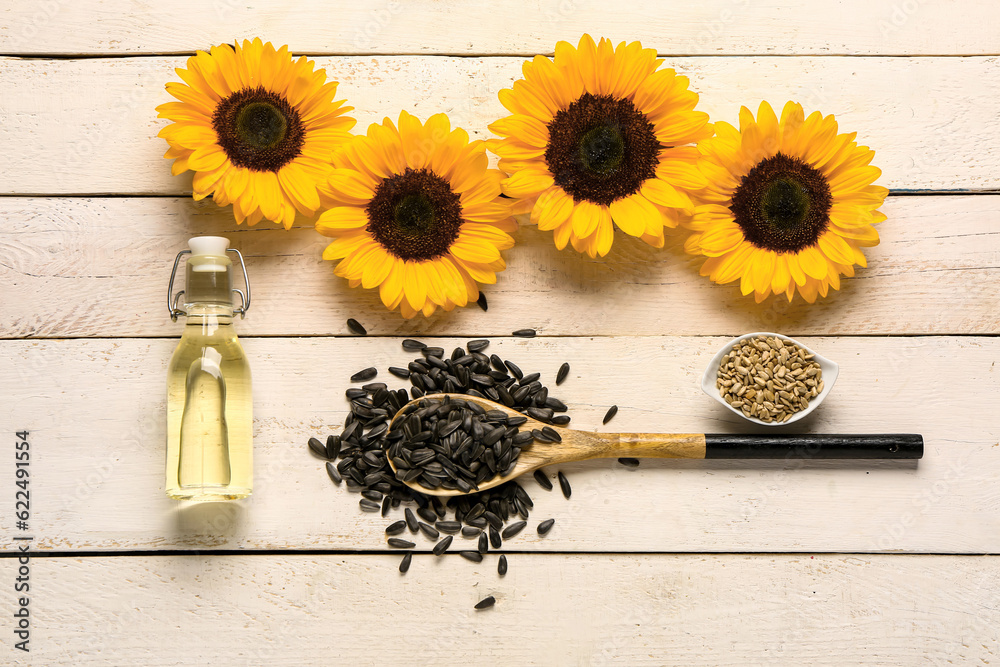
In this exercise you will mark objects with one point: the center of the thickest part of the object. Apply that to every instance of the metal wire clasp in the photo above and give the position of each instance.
(174, 299)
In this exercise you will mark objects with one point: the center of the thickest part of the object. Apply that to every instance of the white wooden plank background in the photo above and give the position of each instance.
(737, 27)
(94, 408)
(693, 563)
(113, 256)
(85, 126)
(718, 610)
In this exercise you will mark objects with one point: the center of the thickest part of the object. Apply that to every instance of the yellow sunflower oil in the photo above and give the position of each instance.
(209, 402)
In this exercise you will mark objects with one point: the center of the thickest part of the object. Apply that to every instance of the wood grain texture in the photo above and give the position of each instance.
(89, 126)
(719, 610)
(99, 267)
(95, 410)
(716, 27)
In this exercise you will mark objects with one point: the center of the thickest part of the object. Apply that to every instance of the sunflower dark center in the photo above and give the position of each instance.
(601, 149)
(415, 215)
(782, 204)
(258, 129)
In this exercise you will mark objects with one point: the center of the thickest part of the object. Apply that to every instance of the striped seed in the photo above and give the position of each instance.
(561, 375)
(404, 564)
(365, 374)
(395, 528)
(564, 485)
(610, 414)
(442, 546)
(545, 526)
(502, 565)
(543, 480)
(474, 556)
(317, 447)
(513, 529)
(400, 544)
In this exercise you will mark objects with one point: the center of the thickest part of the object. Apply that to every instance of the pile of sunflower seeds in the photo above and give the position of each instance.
(358, 455)
(455, 444)
(768, 378)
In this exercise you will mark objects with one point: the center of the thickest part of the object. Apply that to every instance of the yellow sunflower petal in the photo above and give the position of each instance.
(633, 214)
(552, 209)
(527, 183)
(585, 218)
(813, 262)
(335, 220)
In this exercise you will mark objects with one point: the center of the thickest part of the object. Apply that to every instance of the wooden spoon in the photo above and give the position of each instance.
(583, 445)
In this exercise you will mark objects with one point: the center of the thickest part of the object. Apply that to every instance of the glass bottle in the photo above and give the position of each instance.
(209, 404)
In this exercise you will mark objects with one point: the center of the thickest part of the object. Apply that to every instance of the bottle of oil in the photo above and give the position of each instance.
(209, 405)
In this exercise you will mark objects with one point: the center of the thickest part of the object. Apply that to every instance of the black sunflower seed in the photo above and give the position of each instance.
(543, 480)
(365, 374)
(395, 528)
(484, 543)
(317, 447)
(386, 505)
(332, 447)
(513, 529)
(448, 526)
(560, 420)
(629, 462)
(551, 434)
(442, 546)
(404, 564)
(411, 521)
(369, 506)
(502, 565)
(545, 526)
(564, 485)
(410, 344)
(474, 556)
(427, 514)
(482, 302)
(561, 375)
(486, 602)
(356, 327)
(471, 531)
(400, 372)
(609, 415)
(429, 531)
(332, 471)
(495, 538)
(400, 544)
(524, 333)
(478, 345)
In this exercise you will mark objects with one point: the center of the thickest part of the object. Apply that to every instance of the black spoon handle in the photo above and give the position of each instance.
(884, 446)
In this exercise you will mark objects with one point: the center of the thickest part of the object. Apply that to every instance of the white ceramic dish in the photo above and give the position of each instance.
(830, 371)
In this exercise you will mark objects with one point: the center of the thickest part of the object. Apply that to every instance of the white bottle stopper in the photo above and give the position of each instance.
(208, 245)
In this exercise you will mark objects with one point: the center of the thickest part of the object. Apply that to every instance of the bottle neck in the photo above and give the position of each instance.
(209, 317)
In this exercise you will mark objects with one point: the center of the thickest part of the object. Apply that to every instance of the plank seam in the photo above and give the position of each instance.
(400, 552)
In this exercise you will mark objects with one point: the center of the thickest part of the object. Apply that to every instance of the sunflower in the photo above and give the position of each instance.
(417, 213)
(258, 129)
(597, 140)
(789, 204)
